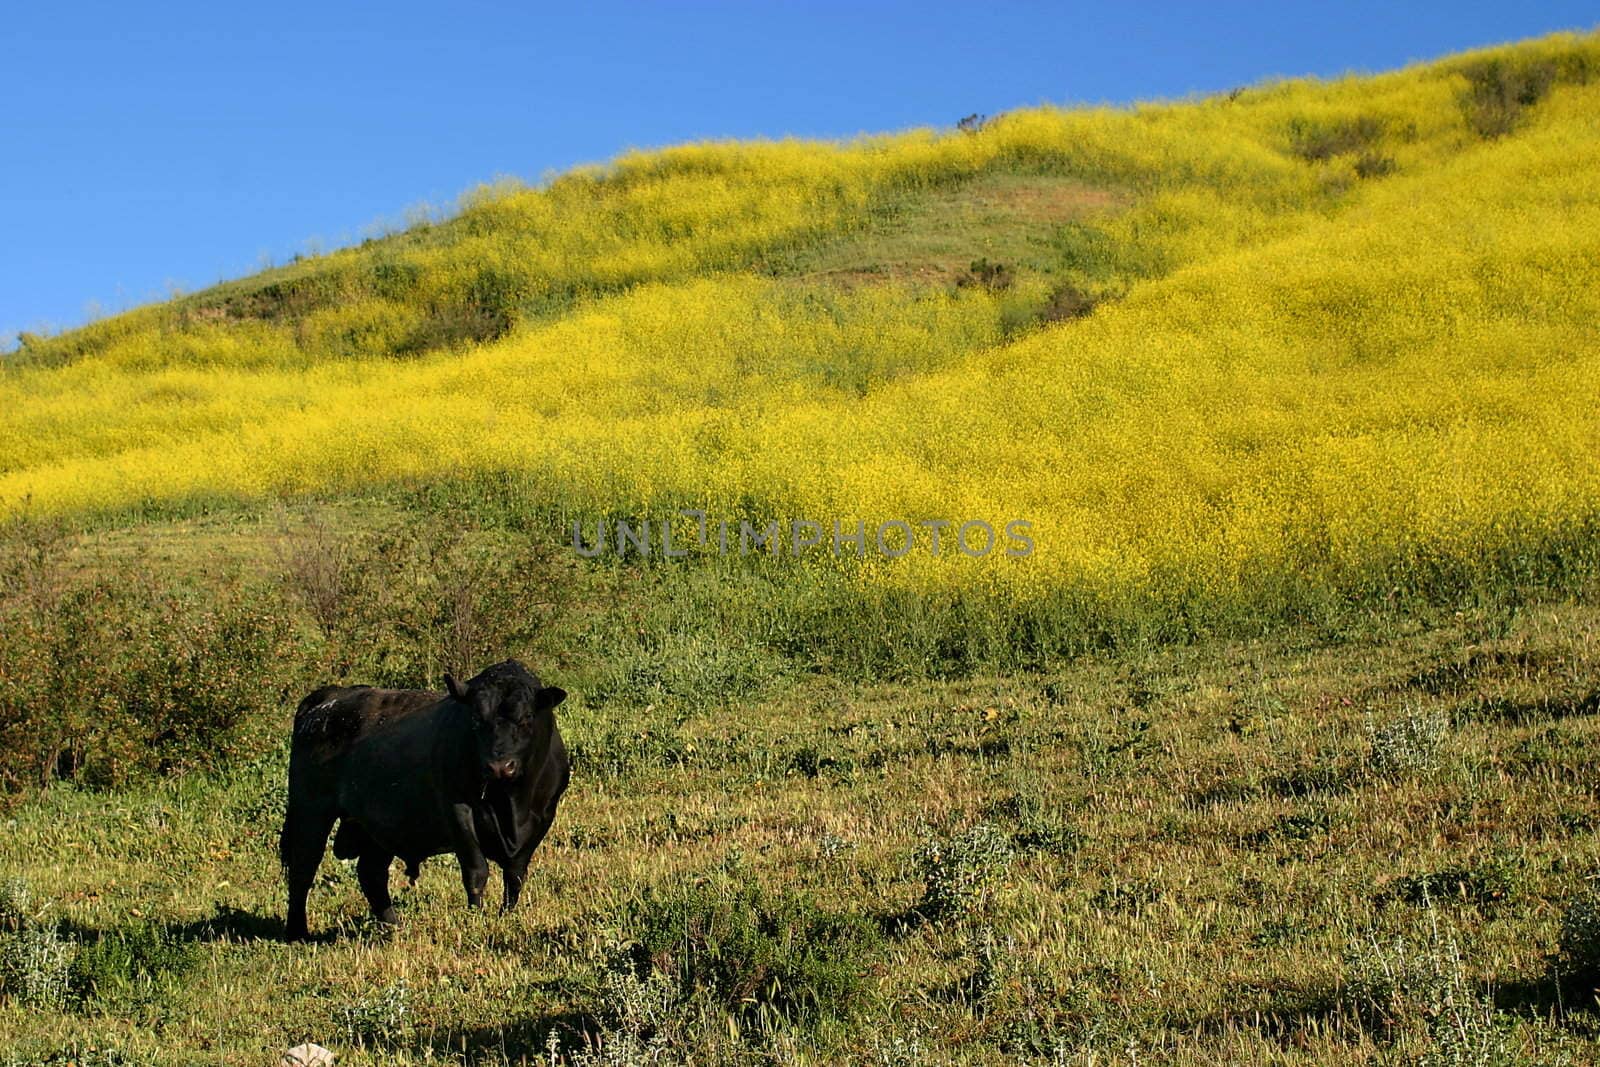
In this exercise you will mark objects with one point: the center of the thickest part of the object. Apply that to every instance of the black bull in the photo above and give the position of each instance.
(477, 772)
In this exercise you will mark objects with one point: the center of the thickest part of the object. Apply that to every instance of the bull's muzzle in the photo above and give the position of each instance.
(503, 770)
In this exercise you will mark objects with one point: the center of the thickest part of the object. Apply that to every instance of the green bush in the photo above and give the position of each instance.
(1500, 91)
(760, 957)
(130, 960)
(959, 872)
(106, 673)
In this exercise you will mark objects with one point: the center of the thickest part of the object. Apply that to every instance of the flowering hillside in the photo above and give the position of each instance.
(1300, 342)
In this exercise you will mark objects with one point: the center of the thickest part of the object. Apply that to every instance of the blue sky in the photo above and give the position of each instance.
(147, 147)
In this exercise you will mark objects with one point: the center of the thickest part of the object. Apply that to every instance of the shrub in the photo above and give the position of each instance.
(986, 275)
(1318, 141)
(959, 872)
(1499, 91)
(403, 604)
(105, 673)
(1067, 301)
(1373, 165)
(129, 959)
(760, 957)
(316, 568)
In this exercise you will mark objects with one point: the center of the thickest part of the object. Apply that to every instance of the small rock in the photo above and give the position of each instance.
(308, 1055)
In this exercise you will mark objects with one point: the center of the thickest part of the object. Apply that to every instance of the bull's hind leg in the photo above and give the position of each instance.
(372, 869)
(300, 847)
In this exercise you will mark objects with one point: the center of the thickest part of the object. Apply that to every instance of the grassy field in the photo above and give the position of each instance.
(1281, 747)
(1299, 850)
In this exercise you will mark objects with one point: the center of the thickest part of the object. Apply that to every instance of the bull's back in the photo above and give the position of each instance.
(337, 716)
(332, 721)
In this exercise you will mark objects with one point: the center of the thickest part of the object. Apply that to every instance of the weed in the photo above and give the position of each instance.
(634, 1015)
(1578, 951)
(1418, 988)
(16, 904)
(833, 849)
(35, 967)
(1040, 827)
(1411, 744)
(378, 1017)
(1489, 883)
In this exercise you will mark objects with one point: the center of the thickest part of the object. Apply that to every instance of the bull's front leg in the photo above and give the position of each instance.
(516, 872)
(474, 867)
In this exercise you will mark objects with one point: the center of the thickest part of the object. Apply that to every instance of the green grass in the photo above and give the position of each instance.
(1209, 857)
(1007, 217)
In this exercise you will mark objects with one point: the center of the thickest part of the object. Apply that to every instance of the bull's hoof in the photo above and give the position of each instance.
(388, 917)
(294, 936)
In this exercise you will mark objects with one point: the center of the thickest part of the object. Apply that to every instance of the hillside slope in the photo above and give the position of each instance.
(1303, 342)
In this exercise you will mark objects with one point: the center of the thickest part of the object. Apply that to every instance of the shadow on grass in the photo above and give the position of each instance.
(1289, 1015)
(235, 924)
(1455, 676)
(518, 1041)
(901, 924)
(1507, 712)
(227, 924)
(1286, 1015)
(1572, 1003)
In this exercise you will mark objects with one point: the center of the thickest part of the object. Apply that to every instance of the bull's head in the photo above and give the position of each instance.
(511, 717)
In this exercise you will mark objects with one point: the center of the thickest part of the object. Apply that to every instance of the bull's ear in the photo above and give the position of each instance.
(549, 697)
(456, 689)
